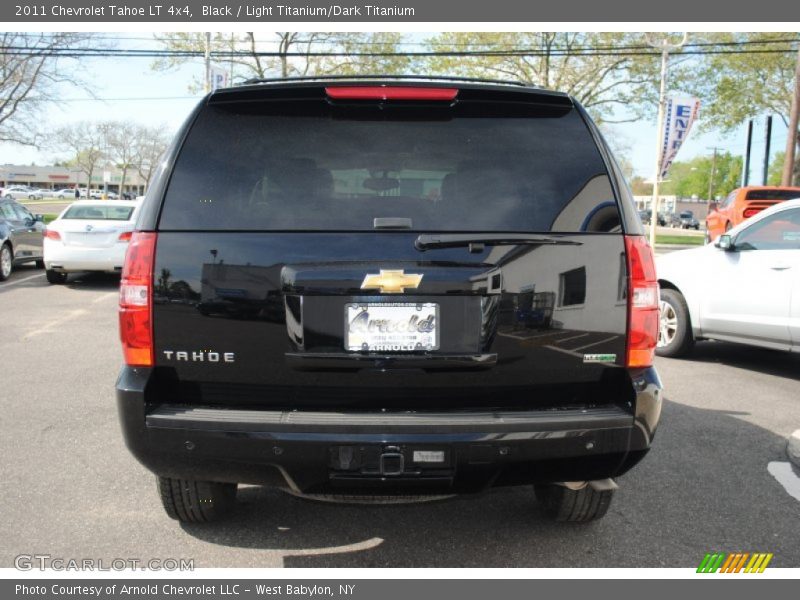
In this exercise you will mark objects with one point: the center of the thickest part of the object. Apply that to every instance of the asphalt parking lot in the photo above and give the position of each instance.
(70, 489)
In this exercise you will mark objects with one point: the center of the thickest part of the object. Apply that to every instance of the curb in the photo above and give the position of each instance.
(793, 448)
(673, 247)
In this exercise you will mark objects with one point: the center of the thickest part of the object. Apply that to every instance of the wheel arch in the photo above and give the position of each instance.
(667, 284)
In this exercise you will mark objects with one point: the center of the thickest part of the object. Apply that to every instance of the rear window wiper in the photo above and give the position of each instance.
(477, 241)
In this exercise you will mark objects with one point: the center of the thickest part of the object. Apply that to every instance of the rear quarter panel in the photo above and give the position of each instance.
(683, 270)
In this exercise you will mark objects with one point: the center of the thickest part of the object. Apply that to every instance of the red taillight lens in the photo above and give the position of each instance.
(125, 236)
(135, 300)
(51, 235)
(749, 212)
(642, 302)
(379, 92)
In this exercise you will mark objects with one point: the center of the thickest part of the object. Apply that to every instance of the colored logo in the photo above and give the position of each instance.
(391, 282)
(738, 562)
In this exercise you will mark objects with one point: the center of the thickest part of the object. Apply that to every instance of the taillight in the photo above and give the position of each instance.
(51, 235)
(135, 300)
(642, 302)
(125, 236)
(749, 212)
(382, 92)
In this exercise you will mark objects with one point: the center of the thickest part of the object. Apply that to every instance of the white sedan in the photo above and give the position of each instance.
(744, 288)
(18, 192)
(89, 236)
(65, 193)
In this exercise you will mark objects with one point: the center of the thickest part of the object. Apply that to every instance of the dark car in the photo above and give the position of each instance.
(20, 237)
(388, 287)
(644, 216)
(688, 220)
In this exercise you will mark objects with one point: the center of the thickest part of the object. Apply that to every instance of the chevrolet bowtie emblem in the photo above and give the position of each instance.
(391, 282)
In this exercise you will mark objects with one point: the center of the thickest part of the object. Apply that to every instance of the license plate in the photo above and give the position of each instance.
(392, 327)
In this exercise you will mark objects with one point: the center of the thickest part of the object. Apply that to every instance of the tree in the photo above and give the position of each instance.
(243, 53)
(86, 143)
(775, 171)
(621, 147)
(122, 140)
(151, 143)
(691, 178)
(604, 82)
(640, 187)
(735, 87)
(30, 72)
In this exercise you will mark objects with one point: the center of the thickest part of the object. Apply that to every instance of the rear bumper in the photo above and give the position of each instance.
(386, 452)
(67, 258)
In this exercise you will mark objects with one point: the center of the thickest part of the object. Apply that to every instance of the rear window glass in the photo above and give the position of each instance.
(259, 167)
(773, 194)
(99, 212)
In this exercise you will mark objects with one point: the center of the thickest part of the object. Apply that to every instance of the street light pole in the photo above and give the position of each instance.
(665, 46)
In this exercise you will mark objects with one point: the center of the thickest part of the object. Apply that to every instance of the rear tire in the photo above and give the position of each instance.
(55, 277)
(40, 264)
(6, 262)
(573, 506)
(190, 501)
(675, 337)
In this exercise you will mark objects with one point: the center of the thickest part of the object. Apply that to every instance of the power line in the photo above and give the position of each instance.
(434, 42)
(132, 53)
(129, 99)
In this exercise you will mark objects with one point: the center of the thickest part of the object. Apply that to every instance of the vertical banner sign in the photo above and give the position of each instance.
(679, 116)
(219, 77)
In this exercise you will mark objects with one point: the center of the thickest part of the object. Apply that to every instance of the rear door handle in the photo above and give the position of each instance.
(780, 267)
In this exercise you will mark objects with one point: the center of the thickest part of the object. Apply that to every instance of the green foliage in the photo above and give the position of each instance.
(775, 172)
(639, 187)
(691, 178)
(736, 87)
(683, 240)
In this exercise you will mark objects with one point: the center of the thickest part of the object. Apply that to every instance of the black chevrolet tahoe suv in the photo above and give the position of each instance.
(394, 286)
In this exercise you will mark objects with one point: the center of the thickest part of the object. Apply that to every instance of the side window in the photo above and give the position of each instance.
(728, 200)
(780, 231)
(23, 213)
(8, 212)
(572, 286)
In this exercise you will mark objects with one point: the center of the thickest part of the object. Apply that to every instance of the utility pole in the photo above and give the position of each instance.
(747, 150)
(710, 198)
(665, 46)
(208, 61)
(791, 137)
(767, 148)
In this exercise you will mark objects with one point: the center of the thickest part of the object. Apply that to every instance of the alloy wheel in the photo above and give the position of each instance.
(668, 324)
(5, 261)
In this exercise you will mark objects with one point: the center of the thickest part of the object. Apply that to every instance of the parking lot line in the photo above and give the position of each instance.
(105, 297)
(16, 281)
(783, 472)
(55, 323)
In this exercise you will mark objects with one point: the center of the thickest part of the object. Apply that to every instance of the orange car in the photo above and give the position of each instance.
(743, 203)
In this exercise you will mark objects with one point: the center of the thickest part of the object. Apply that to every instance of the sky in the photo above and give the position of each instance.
(129, 89)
